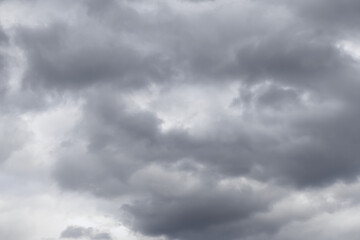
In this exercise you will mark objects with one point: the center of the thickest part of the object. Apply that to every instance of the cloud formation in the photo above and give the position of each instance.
(184, 119)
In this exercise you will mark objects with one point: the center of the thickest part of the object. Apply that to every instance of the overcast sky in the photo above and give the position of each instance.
(179, 119)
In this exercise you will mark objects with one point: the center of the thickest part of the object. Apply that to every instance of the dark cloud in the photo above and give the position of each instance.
(4, 40)
(305, 150)
(120, 143)
(75, 232)
(331, 16)
(204, 213)
(329, 153)
(276, 97)
(305, 153)
(3, 37)
(102, 236)
(293, 124)
(293, 58)
(60, 59)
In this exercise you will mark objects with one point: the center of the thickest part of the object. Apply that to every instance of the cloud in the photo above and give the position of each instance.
(3, 36)
(59, 59)
(206, 212)
(75, 232)
(321, 15)
(194, 120)
(3, 59)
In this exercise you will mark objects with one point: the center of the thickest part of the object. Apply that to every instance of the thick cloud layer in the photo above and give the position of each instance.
(185, 119)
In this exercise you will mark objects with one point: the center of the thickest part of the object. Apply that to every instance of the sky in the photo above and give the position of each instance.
(179, 119)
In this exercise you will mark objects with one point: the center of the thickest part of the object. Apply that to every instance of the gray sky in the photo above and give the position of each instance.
(179, 119)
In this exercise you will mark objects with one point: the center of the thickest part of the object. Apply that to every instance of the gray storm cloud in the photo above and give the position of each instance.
(290, 125)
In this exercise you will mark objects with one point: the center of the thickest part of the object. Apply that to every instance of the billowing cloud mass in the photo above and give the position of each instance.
(179, 119)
